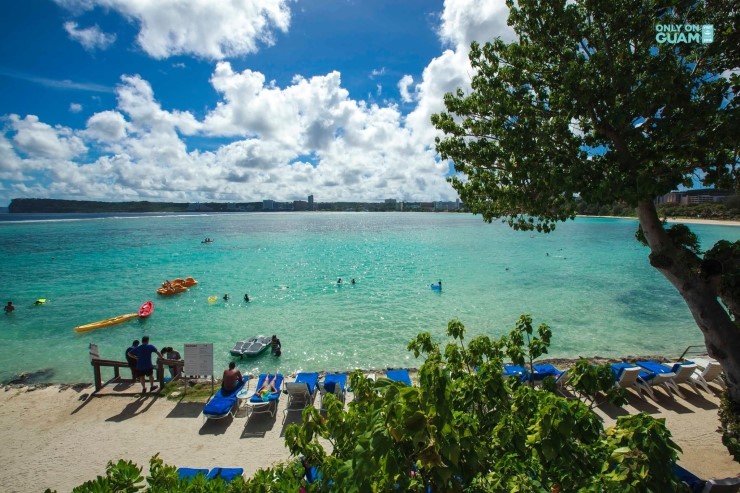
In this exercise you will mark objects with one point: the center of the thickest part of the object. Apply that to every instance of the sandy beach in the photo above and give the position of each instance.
(59, 436)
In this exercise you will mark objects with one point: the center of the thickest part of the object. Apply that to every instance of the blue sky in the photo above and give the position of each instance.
(237, 100)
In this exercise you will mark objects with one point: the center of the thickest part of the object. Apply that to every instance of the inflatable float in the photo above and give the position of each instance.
(146, 309)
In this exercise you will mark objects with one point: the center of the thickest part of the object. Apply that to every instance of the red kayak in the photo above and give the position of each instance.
(146, 309)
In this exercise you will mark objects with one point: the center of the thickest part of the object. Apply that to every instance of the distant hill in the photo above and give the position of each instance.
(69, 206)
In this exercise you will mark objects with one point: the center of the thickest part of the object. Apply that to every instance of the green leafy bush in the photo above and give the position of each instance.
(463, 428)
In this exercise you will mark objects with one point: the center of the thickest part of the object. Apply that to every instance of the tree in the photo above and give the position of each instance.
(587, 104)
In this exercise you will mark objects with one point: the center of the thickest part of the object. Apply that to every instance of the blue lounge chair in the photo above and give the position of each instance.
(190, 472)
(515, 371)
(268, 404)
(400, 375)
(228, 474)
(302, 390)
(696, 485)
(223, 403)
(334, 383)
(659, 374)
(627, 375)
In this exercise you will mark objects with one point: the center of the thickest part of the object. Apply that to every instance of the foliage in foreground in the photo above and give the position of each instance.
(463, 428)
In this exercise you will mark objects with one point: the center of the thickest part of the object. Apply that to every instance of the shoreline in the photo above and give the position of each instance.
(708, 222)
(21, 381)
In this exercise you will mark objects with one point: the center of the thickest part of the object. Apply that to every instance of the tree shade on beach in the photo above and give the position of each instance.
(586, 104)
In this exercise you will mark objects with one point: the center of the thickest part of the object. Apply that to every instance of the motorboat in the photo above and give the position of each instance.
(253, 346)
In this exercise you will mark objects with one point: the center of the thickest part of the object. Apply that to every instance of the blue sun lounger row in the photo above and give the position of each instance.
(228, 474)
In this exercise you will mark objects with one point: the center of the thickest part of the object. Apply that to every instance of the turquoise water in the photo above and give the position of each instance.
(590, 281)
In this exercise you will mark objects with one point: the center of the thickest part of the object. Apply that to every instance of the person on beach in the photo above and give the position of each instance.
(143, 356)
(276, 346)
(267, 388)
(246, 297)
(232, 378)
(132, 361)
(170, 353)
(9, 307)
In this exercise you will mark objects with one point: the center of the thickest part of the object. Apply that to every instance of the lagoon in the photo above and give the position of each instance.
(589, 280)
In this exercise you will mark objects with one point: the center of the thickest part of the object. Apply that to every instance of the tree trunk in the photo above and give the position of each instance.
(682, 268)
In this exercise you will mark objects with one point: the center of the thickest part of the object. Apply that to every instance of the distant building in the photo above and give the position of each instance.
(268, 205)
(390, 201)
(300, 205)
(310, 202)
(700, 196)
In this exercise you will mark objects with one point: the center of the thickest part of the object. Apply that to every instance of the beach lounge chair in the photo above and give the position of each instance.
(190, 472)
(223, 403)
(257, 404)
(627, 375)
(697, 485)
(302, 391)
(658, 374)
(334, 383)
(399, 375)
(228, 474)
(711, 373)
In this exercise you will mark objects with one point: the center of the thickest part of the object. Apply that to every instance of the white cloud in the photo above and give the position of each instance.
(465, 21)
(403, 88)
(262, 140)
(377, 72)
(106, 126)
(207, 29)
(75, 107)
(39, 140)
(90, 38)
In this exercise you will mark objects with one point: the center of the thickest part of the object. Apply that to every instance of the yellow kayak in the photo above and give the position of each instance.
(105, 323)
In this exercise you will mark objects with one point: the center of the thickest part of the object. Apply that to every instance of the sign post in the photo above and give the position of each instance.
(199, 360)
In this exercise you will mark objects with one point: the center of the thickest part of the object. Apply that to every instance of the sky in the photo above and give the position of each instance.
(231, 100)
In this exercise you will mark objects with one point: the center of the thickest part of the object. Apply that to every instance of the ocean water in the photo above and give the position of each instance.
(589, 280)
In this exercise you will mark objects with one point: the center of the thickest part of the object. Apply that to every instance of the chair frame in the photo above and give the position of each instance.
(627, 380)
(339, 391)
(262, 407)
(234, 407)
(298, 392)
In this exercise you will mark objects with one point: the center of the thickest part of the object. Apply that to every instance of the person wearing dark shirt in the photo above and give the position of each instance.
(276, 346)
(143, 356)
(132, 361)
(9, 307)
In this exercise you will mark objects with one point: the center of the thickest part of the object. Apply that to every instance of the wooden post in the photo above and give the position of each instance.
(98, 379)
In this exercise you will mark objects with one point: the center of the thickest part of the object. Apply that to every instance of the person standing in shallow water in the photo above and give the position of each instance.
(246, 298)
(276, 346)
(9, 307)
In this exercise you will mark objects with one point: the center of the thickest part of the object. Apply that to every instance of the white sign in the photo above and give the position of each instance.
(198, 359)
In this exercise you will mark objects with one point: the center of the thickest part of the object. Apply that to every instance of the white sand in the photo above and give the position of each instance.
(59, 438)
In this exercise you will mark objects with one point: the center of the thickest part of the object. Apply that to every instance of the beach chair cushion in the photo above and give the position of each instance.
(310, 379)
(274, 396)
(226, 473)
(222, 402)
(546, 370)
(400, 375)
(190, 472)
(331, 380)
